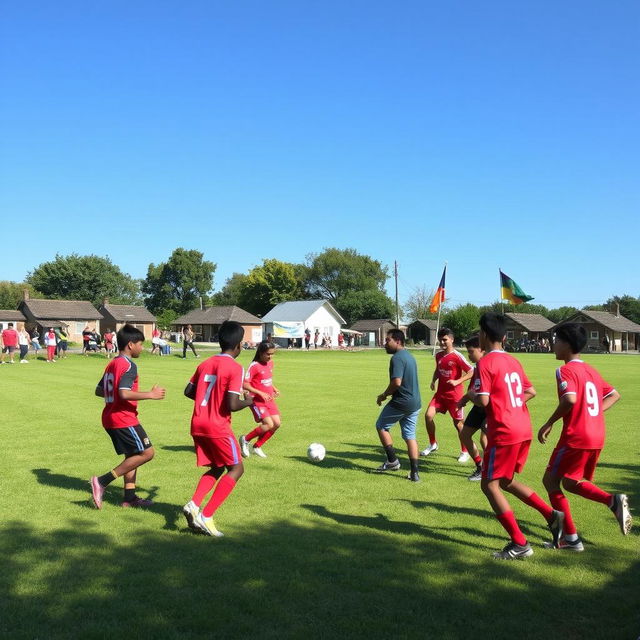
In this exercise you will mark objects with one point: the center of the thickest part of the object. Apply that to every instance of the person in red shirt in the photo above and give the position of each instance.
(259, 382)
(119, 388)
(10, 343)
(451, 371)
(216, 389)
(503, 389)
(583, 398)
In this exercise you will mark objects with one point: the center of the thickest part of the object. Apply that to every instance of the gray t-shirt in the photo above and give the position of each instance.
(407, 397)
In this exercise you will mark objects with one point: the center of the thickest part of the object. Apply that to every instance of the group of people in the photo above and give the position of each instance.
(324, 340)
(14, 341)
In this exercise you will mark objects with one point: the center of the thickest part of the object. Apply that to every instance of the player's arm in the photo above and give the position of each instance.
(190, 391)
(564, 407)
(434, 378)
(155, 393)
(236, 402)
(246, 385)
(610, 399)
(394, 385)
(467, 375)
(528, 394)
(100, 389)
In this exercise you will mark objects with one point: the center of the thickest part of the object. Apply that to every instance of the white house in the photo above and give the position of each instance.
(290, 320)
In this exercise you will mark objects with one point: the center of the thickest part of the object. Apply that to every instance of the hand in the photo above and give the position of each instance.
(453, 383)
(265, 396)
(157, 393)
(433, 386)
(381, 398)
(276, 393)
(544, 432)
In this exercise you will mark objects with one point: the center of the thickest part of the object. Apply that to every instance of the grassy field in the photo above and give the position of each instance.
(312, 551)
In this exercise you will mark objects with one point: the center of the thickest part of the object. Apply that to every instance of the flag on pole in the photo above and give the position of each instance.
(511, 291)
(438, 298)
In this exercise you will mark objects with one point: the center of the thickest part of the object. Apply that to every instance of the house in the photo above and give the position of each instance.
(206, 322)
(117, 315)
(423, 331)
(8, 315)
(75, 315)
(531, 326)
(289, 320)
(622, 334)
(373, 331)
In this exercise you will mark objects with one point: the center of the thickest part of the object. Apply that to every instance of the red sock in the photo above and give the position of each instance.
(508, 521)
(264, 437)
(463, 449)
(535, 501)
(560, 503)
(590, 491)
(432, 439)
(223, 489)
(256, 433)
(204, 486)
(477, 460)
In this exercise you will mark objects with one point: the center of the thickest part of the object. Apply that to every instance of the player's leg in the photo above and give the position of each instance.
(387, 418)
(466, 437)
(258, 413)
(429, 421)
(464, 452)
(270, 426)
(408, 425)
(570, 539)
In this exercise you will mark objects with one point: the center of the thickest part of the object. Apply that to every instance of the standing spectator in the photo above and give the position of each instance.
(9, 342)
(606, 344)
(316, 339)
(35, 341)
(341, 340)
(109, 342)
(86, 336)
(155, 344)
(187, 341)
(307, 338)
(50, 343)
(63, 342)
(24, 339)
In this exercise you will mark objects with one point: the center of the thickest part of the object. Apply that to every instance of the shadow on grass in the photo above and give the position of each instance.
(179, 447)
(627, 479)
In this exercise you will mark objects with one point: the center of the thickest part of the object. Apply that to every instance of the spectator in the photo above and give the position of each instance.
(35, 341)
(50, 343)
(24, 339)
(155, 345)
(63, 342)
(9, 342)
(187, 341)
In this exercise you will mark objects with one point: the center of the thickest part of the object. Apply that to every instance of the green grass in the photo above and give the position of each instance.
(326, 550)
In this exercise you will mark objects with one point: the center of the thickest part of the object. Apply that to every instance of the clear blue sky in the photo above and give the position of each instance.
(486, 134)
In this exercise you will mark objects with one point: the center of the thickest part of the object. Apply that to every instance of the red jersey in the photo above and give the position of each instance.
(213, 379)
(583, 426)
(502, 378)
(10, 338)
(450, 366)
(260, 376)
(121, 373)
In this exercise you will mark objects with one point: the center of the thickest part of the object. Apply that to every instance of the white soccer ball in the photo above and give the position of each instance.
(316, 452)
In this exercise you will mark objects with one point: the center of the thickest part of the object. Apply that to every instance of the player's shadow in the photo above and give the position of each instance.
(627, 478)
(178, 447)
(330, 462)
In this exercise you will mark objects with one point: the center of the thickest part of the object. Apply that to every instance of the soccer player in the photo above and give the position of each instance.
(259, 382)
(216, 389)
(504, 390)
(119, 388)
(583, 398)
(477, 418)
(403, 407)
(451, 371)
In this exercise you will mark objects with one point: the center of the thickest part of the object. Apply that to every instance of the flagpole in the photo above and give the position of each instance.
(438, 321)
(500, 287)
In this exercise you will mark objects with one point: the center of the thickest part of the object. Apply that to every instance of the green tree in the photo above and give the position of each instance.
(629, 306)
(417, 306)
(231, 292)
(266, 285)
(561, 313)
(179, 283)
(166, 318)
(12, 293)
(358, 305)
(463, 321)
(526, 307)
(91, 277)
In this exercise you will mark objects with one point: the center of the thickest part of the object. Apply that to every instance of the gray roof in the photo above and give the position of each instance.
(61, 309)
(607, 319)
(371, 325)
(217, 315)
(430, 324)
(299, 311)
(11, 315)
(127, 312)
(531, 321)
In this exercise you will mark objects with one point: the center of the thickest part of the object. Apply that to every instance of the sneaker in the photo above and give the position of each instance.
(621, 511)
(190, 511)
(414, 476)
(388, 466)
(97, 491)
(476, 476)
(138, 503)
(206, 526)
(514, 551)
(429, 450)
(259, 452)
(566, 545)
(244, 447)
(463, 457)
(24, 362)
(555, 526)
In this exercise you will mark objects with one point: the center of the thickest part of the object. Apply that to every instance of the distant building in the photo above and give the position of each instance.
(9, 315)
(206, 323)
(373, 331)
(423, 331)
(622, 334)
(531, 326)
(115, 316)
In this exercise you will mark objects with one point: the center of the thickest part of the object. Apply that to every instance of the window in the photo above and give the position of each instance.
(80, 327)
(510, 335)
(595, 335)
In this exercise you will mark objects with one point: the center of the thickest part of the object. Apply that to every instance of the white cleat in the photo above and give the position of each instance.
(244, 447)
(464, 457)
(429, 450)
(259, 452)
(206, 526)
(191, 511)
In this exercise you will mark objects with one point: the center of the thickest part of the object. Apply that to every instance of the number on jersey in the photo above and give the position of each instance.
(108, 382)
(210, 379)
(514, 384)
(591, 396)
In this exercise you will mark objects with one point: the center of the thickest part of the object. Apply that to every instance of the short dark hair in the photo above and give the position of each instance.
(10, 324)
(445, 331)
(128, 333)
(230, 335)
(263, 347)
(493, 324)
(397, 335)
(472, 342)
(574, 334)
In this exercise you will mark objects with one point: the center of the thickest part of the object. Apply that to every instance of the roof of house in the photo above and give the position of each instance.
(61, 309)
(217, 315)
(607, 319)
(371, 325)
(531, 321)
(11, 314)
(430, 324)
(127, 312)
(299, 311)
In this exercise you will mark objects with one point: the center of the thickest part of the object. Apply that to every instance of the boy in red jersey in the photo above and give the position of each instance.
(119, 388)
(216, 389)
(9, 343)
(502, 387)
(259, 382)
(451, 371)
(583, 398)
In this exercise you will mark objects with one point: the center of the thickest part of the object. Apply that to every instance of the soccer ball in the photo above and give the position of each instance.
(316, 452)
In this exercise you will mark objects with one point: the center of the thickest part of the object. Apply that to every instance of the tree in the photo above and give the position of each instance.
(629, 306)
(526, 307)
(231, 292)
(91, 277)
(463, 321)
(12, 293)
(166, 318)
(417, 306)
(179, 283)
(265, 286)
(357, 305)
(561, 313)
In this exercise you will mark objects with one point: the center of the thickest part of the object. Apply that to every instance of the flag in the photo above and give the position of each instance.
(438, 298)
(511, 291)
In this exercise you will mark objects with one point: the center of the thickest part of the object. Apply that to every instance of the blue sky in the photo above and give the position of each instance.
(494, 134)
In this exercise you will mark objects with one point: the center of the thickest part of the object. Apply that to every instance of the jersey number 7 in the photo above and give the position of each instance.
(210, 379)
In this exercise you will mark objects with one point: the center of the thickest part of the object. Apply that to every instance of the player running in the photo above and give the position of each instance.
(451, 371)
(583, 398)
(259, 382)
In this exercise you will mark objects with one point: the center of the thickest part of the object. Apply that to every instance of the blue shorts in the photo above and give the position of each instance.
(390, 415)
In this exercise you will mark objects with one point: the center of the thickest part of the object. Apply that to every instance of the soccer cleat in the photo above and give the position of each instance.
(514, 551)
(476, 476)
(190, 511)
(463, 457)
(259, 452)
(555, 526)
(414, 476)
(138, 503)
(388, 466)
(621, 511)
(244, 447)
(566, 545)
(97, 491)
(429, 450)
(206, 526)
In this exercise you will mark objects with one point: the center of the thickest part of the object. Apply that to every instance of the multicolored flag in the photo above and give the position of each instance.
(511, 291)
(438, 298)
